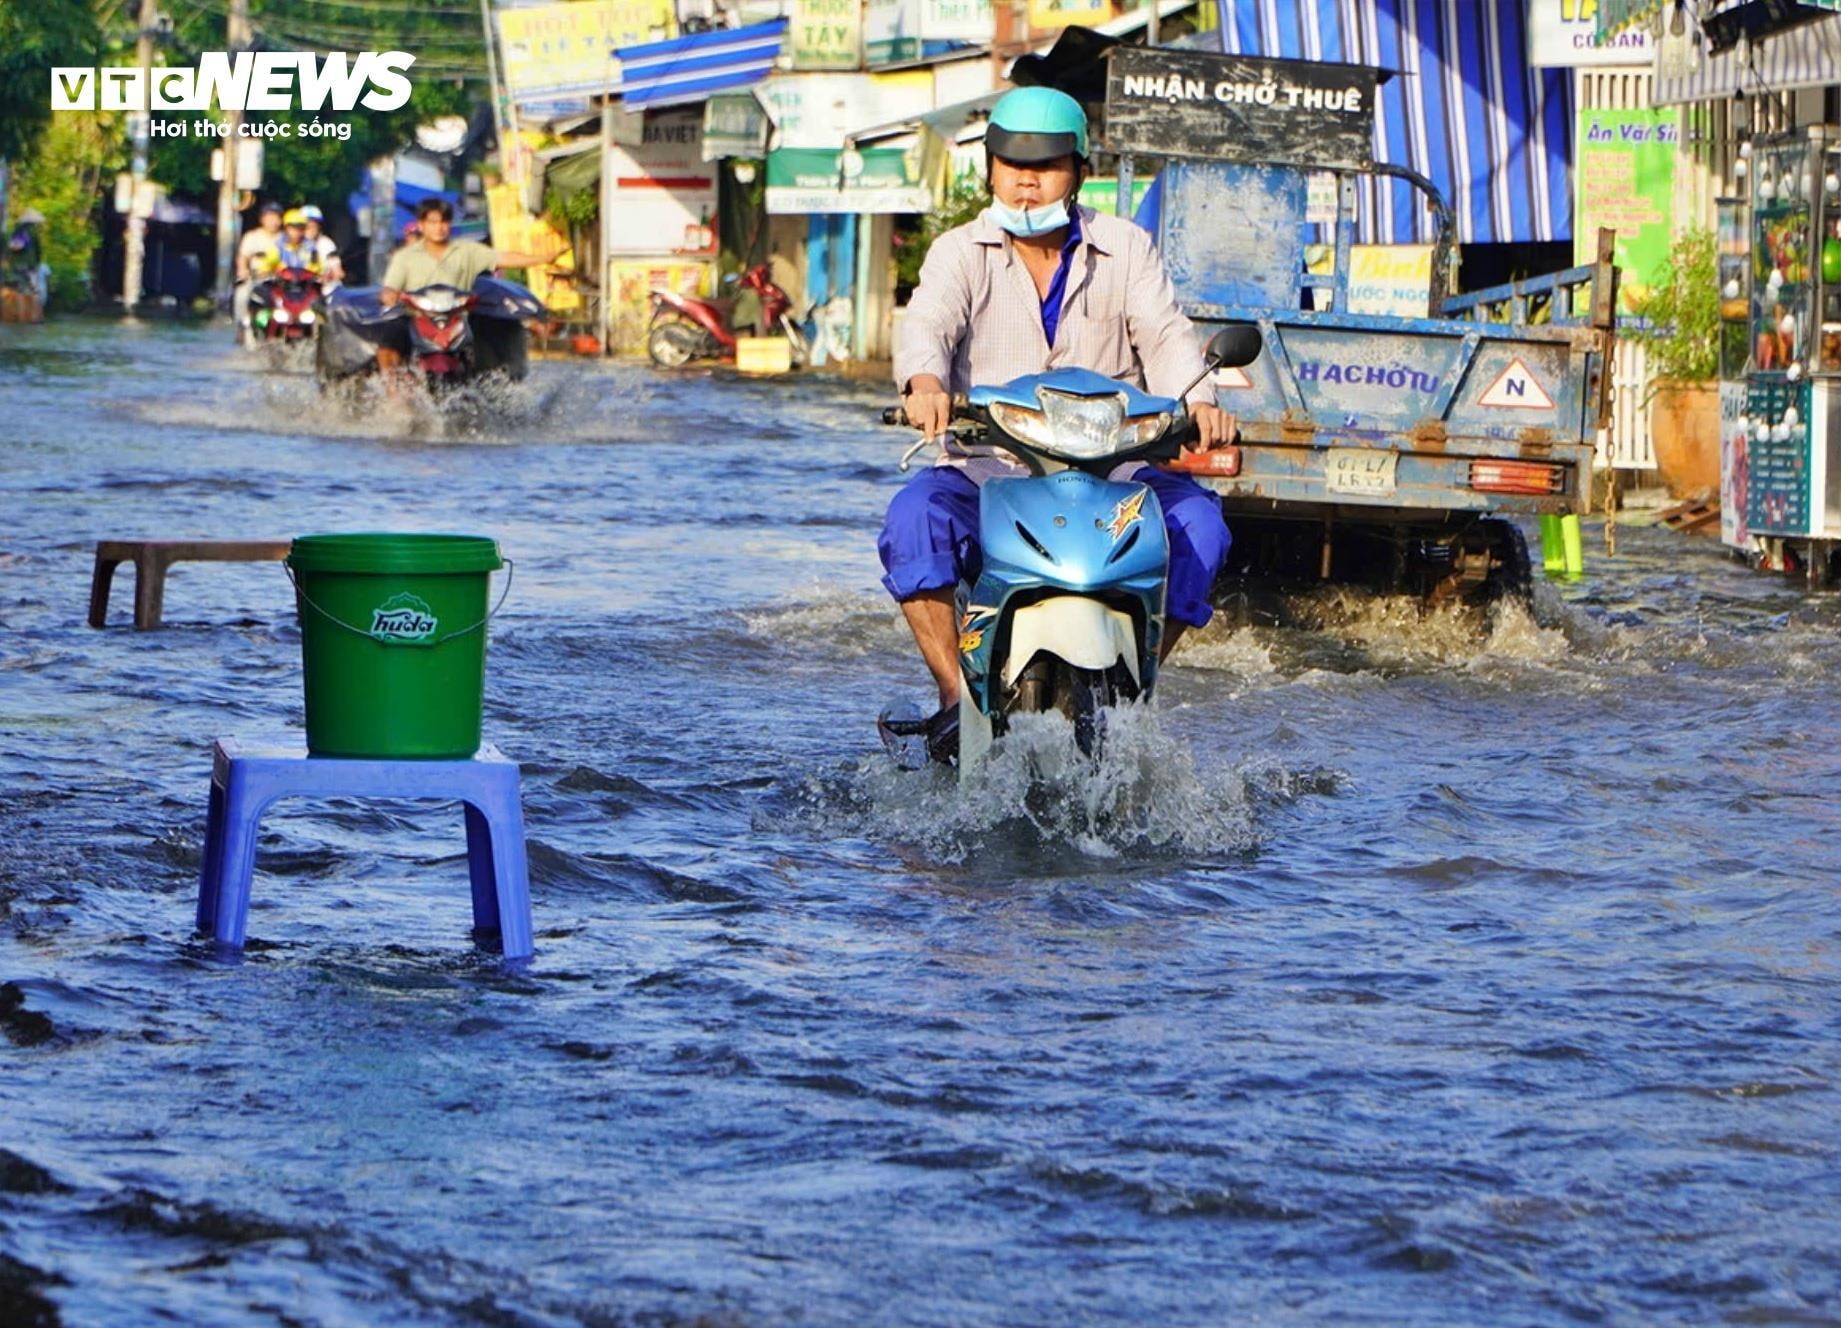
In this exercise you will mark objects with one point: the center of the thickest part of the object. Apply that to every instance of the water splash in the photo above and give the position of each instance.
(1036, 795)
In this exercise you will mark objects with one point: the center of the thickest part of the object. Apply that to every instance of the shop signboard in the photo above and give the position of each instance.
(1564, 34)
(1624, 178)
(551, 51)
(901, 30)
(1392, 279)
(1242, 109)
(821, 110)
(660, 191)
(824, 180)
(826, 34)
(734, 125)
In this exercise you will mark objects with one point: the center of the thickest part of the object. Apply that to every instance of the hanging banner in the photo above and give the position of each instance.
(559, 50)
(1070, 13)
(826, 34)
(1564, 34)
(1624, 177)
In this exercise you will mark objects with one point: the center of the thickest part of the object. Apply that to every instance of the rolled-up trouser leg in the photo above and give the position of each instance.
(930, 539)
(1199, 542)
(239, 305)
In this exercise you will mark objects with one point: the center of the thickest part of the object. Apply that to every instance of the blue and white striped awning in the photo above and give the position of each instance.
(1470, 113)
(689, 69)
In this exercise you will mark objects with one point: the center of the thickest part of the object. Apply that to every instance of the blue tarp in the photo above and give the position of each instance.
(1491, 131)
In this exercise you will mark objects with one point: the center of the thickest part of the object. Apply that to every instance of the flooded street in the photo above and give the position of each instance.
(1395, 974)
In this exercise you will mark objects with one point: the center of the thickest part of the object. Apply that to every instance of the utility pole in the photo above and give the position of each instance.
(229, 190)
(140, 127)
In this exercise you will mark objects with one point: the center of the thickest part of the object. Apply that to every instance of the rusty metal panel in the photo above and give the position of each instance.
(1234, 234)
(1243, 109)
(1469, 380)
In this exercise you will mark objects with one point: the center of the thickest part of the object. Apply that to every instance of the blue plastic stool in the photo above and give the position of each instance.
(245, 780)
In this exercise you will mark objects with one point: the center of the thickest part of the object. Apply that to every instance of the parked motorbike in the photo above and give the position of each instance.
(1067, 610)
(688, 327)
(285, 306)
(446, 337)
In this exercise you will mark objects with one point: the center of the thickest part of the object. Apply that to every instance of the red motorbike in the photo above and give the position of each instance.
(285, 306)
(688, 327)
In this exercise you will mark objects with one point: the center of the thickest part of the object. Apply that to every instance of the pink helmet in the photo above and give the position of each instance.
(411, 230)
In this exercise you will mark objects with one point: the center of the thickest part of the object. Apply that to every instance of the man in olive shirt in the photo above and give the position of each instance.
(437, 260)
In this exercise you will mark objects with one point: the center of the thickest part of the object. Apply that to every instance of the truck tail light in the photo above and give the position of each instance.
(1224, 461)
(1534, 477)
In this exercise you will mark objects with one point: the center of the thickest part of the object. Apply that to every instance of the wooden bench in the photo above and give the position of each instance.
(151, 559)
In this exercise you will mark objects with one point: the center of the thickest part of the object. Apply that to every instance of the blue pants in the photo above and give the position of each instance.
(930, 540)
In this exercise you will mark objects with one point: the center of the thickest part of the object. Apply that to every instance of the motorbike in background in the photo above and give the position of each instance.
(445, 337)
(689, 327)
(285, 306)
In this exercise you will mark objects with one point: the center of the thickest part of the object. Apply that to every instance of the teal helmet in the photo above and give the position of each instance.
(1030, 126)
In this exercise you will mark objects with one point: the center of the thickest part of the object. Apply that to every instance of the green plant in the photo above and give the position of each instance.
(63, 179)
(964, 199)
(1683, 313)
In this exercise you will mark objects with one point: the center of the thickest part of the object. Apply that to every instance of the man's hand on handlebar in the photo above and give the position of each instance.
(928, 405)
(1214, 428)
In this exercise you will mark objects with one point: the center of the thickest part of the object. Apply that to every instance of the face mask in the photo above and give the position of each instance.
(1026, 222)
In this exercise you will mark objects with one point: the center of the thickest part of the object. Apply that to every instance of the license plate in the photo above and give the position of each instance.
(1359, 470)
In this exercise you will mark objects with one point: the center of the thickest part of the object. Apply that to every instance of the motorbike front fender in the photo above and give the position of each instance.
(1081, 631)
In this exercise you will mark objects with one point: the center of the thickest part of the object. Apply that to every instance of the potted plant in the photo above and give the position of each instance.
(1682, 336)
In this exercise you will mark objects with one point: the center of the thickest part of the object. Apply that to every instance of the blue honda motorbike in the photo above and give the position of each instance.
(1067, 610)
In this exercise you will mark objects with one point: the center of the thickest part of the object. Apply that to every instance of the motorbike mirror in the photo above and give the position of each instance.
(1234, 346)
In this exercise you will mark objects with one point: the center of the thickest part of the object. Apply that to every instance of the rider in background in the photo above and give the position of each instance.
(332, 269)
(1036, 282)
(294, 250)
(255, 248)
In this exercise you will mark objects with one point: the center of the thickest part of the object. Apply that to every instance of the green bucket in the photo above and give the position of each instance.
(393, 637)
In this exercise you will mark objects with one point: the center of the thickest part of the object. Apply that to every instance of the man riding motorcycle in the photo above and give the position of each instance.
(1036, 282)
(434, 259)
(254, 252)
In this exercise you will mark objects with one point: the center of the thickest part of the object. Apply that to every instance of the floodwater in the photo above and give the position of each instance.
(1386, 974)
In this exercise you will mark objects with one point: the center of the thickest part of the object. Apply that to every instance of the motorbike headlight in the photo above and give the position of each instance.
(1024, 425)
(306, 315)
(438, 302)
(1142, 429)
(1083, 427)
(281, 315)
(1080, 428)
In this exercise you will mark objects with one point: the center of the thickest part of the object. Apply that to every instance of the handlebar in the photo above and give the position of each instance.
(962, 410)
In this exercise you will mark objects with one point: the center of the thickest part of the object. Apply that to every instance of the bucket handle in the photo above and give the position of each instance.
(491, 613)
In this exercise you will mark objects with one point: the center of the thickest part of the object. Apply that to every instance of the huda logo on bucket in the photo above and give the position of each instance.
(403, 618)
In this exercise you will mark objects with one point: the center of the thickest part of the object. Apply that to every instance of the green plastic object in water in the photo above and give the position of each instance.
(1831, 260)
(393, 640)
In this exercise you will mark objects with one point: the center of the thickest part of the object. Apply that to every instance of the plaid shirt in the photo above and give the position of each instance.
(976, 318)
